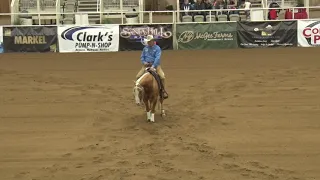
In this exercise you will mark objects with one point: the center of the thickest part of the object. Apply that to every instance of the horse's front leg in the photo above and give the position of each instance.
(163, 113)
(153, 104)
(147, 109)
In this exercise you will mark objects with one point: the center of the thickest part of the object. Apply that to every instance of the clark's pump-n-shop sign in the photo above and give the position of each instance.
(100, 38)
(308, 33)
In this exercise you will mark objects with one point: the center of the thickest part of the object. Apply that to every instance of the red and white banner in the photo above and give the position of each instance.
(308, 33)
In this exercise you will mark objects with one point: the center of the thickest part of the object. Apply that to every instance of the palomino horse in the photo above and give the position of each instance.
(147, 92)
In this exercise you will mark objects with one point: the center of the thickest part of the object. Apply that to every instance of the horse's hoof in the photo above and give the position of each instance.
(163, 113)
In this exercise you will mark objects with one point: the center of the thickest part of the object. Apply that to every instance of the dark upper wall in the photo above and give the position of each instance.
(159, 5)
(5, 6)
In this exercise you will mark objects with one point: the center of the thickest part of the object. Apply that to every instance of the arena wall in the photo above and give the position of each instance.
(169, 36)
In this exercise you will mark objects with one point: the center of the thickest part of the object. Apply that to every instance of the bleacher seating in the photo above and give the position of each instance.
(213, 18)
(234, 17)
(47, 4)
(216, 15)
(69, 7)
(28, 5)
(222, 17)
(198, 18)
(111, 6)
(187, 18)
(31, 6)
(115, 4)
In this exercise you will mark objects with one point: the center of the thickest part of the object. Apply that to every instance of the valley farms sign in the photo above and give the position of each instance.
(188, 36)
(103, 38)
(132, 36)
(207, 36)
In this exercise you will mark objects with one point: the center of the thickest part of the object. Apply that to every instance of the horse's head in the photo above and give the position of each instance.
(138, 93)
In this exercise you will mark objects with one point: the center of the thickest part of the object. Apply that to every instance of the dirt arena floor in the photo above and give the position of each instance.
(232, 115)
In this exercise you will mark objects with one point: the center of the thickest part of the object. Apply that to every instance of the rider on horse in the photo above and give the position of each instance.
(150, 57)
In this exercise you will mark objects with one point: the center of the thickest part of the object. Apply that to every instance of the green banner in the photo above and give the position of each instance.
(207, 36)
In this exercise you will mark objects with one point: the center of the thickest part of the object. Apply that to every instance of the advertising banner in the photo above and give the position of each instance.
(132, 37)
(95, 38)
(207, 36)
(1, 40)
(30, 39)
(267, 34)
(308, 33)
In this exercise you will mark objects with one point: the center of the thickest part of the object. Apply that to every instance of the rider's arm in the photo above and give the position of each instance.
(142, 58)
(157, 58)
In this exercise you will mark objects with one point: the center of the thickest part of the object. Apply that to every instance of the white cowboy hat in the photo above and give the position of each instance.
(149, 38)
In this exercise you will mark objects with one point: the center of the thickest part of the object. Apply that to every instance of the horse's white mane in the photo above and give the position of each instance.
(138, 81)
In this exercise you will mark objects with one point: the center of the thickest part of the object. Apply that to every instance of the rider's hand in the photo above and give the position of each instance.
(150, 68)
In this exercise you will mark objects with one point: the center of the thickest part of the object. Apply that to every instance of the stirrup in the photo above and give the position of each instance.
(165, 95)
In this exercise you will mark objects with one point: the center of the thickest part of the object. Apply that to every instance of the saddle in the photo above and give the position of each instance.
(158, 79)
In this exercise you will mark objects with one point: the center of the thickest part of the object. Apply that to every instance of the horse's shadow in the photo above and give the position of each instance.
(142, 118)
(141, 125)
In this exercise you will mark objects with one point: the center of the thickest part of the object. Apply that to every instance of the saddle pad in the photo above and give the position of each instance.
(157, 77)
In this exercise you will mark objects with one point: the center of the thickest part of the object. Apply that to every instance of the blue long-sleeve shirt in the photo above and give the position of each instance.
(151, 54)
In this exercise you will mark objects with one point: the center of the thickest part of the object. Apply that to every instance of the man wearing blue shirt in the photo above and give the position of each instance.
(151, 55)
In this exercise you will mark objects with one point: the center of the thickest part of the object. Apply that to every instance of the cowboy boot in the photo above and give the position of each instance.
(164, 92)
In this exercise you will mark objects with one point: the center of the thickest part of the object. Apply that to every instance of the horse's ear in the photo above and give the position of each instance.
(134, 81)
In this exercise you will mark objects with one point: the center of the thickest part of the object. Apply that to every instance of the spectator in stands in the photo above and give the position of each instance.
(247, 6)
(186, 6)
(199, 5)
(183, 1)
(240, 3)
(208, 6)
(233, 5)
(221, 4)
(273, 13)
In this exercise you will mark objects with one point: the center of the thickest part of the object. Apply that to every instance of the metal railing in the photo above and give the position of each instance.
(58, 10)
(148, 17)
